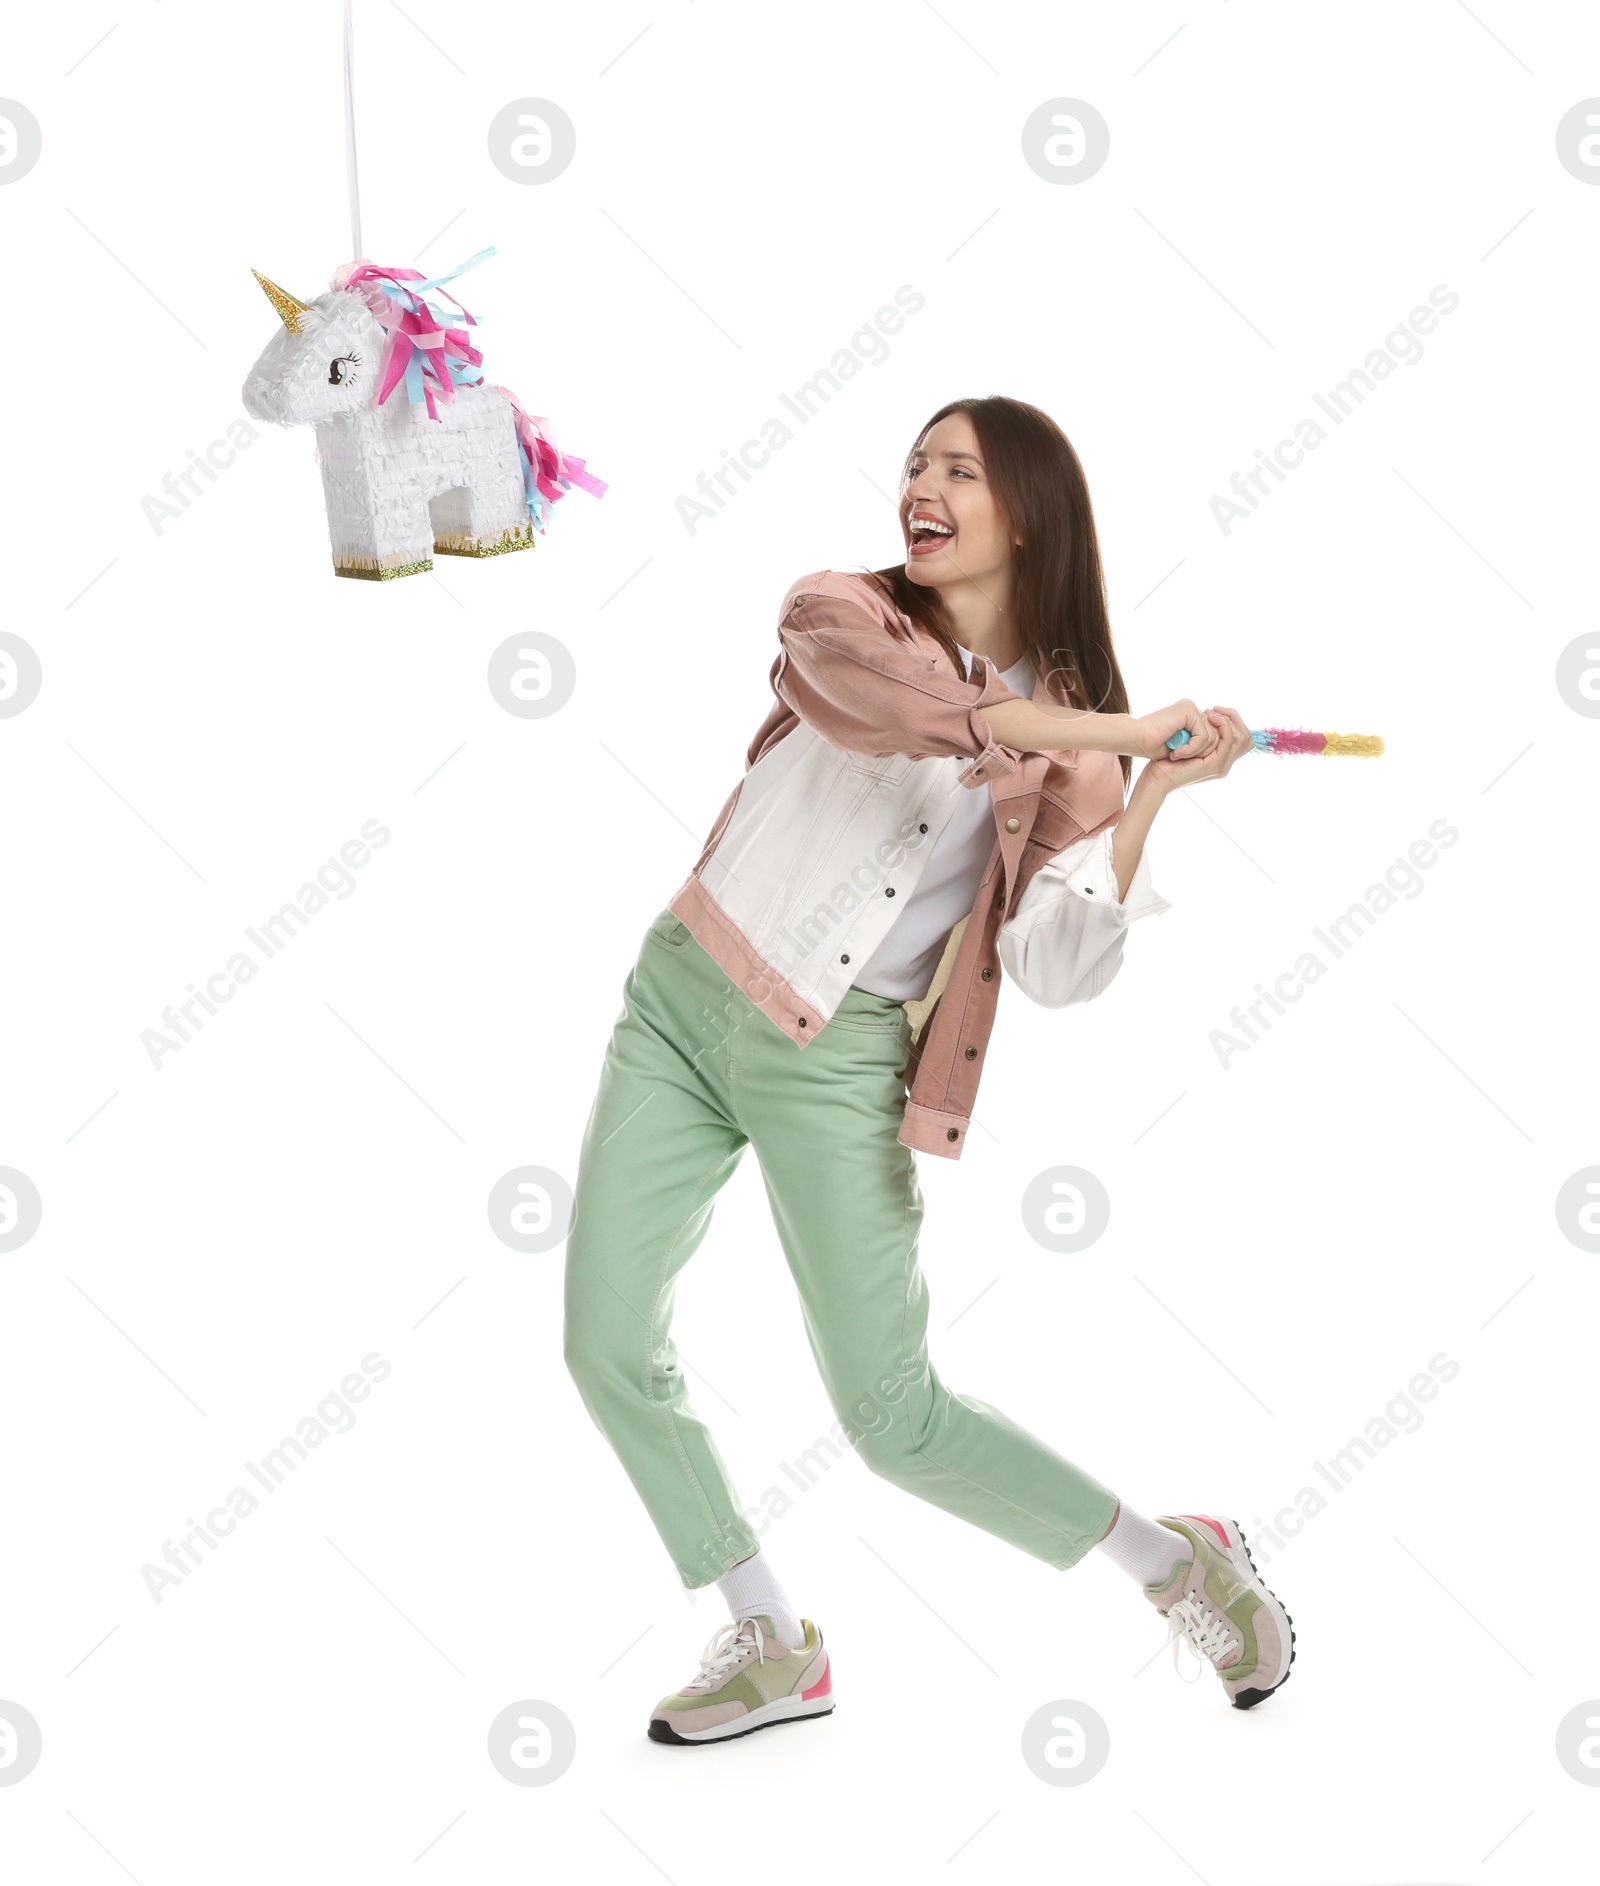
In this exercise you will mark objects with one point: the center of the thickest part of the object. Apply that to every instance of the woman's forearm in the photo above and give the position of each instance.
(1050, 727)
(1133, 828)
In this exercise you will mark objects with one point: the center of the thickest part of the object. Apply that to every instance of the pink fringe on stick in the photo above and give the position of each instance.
(1294, 740)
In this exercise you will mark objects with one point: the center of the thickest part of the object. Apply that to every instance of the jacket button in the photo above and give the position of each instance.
(988, 975)
(889, 892)
(972, 1054)
(802, 1021)
(952, 1134)
(922, 828)
(977, 773)
(844, 959)
(1013, 825)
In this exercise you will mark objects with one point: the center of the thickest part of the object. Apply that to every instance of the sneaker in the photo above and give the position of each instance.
(1216, 1602)
(747, 1681)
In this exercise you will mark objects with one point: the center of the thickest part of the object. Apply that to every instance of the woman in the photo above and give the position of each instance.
(937, 793)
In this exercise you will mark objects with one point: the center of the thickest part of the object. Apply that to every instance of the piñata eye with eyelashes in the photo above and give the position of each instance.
(341, 371)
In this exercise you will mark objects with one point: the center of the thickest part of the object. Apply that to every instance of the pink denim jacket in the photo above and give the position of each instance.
(848, 782)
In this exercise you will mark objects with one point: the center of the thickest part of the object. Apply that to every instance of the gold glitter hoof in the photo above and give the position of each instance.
(368, 570)
(459, 544)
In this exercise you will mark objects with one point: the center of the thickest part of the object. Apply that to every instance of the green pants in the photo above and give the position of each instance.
(694, 1073)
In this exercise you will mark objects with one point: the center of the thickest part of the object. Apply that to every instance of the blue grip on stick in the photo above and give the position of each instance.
(1260, 738)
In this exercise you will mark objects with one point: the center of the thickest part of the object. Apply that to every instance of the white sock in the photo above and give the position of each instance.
(1144, 1548)
(752, 1591)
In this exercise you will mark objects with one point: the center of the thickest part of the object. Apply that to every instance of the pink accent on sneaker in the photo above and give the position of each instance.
(1201, 1520)
(824, 1687)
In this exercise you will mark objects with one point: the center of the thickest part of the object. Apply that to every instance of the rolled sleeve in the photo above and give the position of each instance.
(1088, 869)
(848, 676)
(1064, 944)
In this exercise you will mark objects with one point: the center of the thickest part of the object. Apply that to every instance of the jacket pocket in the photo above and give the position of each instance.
(887, 769)
(1073, 804)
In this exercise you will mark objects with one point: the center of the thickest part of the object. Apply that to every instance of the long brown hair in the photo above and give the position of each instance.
(1060, 590)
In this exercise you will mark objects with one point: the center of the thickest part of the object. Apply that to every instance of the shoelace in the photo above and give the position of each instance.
(1207, 1632)
(726, 1649)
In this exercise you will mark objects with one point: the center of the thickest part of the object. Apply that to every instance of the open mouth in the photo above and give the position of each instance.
(929, 534)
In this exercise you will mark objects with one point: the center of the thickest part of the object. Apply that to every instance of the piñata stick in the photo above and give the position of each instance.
(1332, 746)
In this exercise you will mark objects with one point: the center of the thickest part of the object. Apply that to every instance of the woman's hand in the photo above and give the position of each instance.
(1151, 732)
(1231, 741)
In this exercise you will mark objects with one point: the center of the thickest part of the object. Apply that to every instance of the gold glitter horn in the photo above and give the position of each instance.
(288, 309)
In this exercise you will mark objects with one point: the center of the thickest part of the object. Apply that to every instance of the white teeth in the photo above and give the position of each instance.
(928, 523)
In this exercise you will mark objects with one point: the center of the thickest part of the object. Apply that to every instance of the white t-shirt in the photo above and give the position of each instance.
(902, 965)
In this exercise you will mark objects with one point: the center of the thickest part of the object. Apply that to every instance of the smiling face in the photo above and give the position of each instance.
(956, 532)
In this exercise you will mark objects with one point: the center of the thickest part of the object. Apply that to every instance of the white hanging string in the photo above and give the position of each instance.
(352, 186)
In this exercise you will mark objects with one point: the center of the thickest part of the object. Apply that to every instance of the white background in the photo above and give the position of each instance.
(1369, 1186)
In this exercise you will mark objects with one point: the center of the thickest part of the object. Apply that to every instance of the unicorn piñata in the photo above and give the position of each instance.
(457, 468)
